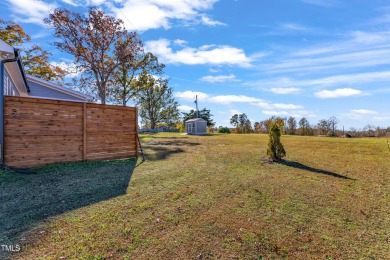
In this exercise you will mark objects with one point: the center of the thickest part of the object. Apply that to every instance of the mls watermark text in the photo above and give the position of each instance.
(10, 248)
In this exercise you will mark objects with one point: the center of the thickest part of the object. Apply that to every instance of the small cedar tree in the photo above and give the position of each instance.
(275, 148)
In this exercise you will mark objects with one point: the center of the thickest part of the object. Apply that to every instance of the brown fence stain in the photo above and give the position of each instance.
(42, 131)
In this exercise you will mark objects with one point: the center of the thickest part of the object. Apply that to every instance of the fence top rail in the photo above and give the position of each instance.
(64, 102)
(42, 101)
(93, 105)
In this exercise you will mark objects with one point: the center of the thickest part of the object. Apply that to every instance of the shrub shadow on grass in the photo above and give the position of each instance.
(301, 166)
(27, 200)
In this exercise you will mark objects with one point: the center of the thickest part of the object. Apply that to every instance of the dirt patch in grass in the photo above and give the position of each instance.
(206, 197)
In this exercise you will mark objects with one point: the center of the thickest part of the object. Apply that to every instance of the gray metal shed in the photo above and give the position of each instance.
(196, 126)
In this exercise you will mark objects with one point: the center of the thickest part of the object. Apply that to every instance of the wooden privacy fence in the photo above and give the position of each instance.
(42, 131)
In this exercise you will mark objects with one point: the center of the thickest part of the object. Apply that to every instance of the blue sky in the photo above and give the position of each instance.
(304, 58)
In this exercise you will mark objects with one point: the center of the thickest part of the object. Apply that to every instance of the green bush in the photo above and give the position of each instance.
(275, 148)
(224, 130)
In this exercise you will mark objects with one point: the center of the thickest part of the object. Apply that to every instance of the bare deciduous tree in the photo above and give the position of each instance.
(98, 42)
(292, 125)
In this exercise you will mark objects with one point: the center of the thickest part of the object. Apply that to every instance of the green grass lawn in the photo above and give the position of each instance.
(207, 197)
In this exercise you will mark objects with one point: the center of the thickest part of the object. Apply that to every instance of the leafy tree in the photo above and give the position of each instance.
(242, 123)
(248, 126)
(98, 42)
(35, 60)
(323, 127)
(292, 125)
(242, 119)
(304, 126)
(369, 130)
(267, 124)
(275, 148)
(354, 132)
(180, 125)
(223, 130)
(333, 121)
(256, 127)
(280, 121)
(204, 114)
(36, 63)
(156, 102)
(234, 121)
(124, 87)
(12, 33)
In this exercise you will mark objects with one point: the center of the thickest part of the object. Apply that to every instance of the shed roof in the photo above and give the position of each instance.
(196, 120)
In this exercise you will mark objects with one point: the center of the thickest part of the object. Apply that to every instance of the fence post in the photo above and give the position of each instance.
(136, 130)
(84, 131)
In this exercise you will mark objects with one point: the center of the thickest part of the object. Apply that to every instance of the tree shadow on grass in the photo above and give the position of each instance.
(301, 166)
(27, 200)
(163, 149)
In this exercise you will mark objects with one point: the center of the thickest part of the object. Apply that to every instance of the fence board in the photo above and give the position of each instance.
(40, 131)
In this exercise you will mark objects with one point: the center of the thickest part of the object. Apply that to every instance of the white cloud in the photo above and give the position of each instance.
(230, 99)
(287, 106)
(364, 112)
(69, 67)
(214, 70)
(154, 14)
(343, 79)
(381, 119)
(275, 113)
(185, 108)
(180, 42)
(294, 27)
(269, 106)
(217, 99)
(337, 93)
(352, 59)
(31, 11)
(219, 79)
(293, 113)
(70, 2)
(206, 54)
(208, 21)
(190, 95)
(369, 37)
(95, 2)
(234, 111)
(285, 90)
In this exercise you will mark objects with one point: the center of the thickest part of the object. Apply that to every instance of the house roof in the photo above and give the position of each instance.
(32, 86)
(47, 89)
(196, 120)
(14, 69)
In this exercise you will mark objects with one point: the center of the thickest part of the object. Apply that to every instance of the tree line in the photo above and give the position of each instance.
(294, 126)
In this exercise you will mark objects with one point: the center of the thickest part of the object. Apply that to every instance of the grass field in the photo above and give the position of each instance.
(207, 197)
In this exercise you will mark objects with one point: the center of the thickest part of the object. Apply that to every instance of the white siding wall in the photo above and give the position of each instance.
(201, 127)
(9, 86)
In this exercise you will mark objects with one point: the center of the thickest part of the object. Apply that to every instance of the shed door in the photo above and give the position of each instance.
(189, 128)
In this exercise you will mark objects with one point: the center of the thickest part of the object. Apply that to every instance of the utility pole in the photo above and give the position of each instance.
(196, 102)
